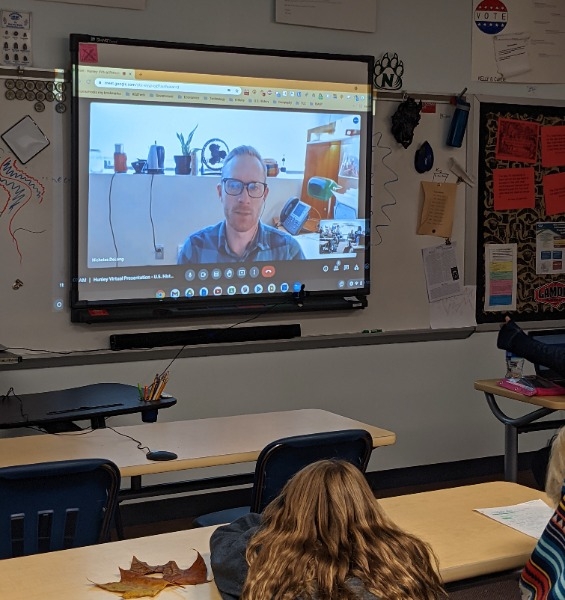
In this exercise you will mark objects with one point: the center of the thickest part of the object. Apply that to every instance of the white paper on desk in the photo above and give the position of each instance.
(528, 517)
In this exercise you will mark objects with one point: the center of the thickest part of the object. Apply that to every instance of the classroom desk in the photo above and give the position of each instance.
(67, 574)
(54, 410)
(524, 424)
(466, 543)
(198, 443)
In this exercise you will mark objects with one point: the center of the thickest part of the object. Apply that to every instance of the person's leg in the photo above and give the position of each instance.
(512, 337)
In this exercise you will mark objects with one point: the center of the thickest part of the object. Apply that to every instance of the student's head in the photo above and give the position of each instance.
(332, 495)
(327, 527)
(243, 188)
(556, 468)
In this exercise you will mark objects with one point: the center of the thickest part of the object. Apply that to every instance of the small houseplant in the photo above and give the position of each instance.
(182, 161)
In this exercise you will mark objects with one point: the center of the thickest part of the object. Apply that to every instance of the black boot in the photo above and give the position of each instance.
(512, 337)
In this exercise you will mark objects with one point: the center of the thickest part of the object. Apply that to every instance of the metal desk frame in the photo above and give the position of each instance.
(513, 426)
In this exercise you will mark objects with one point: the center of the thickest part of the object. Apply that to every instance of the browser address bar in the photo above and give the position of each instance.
(167, 86)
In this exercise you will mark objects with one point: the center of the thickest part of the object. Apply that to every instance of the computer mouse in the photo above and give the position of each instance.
(161, 455)
(424, 158)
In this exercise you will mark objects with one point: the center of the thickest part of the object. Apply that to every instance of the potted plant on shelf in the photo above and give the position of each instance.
(182, 161)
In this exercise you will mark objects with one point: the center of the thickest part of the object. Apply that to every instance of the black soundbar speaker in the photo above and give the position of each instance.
(193, 337)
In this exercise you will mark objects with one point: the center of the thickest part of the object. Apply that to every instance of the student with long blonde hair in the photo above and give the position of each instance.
(324, 537)
(543, 577)
(556, 468)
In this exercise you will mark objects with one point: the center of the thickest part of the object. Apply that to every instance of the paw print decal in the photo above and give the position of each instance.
(388, 72)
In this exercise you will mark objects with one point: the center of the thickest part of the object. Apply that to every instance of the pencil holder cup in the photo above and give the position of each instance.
(149, 416)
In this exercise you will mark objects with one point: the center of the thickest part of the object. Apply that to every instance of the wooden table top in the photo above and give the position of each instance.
(198, 443)
(490, 386)
(68, 574)
(467, 544)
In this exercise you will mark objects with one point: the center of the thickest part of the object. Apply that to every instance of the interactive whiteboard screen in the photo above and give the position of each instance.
(217, 180)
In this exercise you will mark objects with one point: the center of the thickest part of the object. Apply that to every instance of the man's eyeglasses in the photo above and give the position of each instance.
(234, 187)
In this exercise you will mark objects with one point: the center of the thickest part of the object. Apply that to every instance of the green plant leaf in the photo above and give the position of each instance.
(185, 144)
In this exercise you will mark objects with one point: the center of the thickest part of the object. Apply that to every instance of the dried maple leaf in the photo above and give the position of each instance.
(134, 585)
(195, 574)
(138, 566)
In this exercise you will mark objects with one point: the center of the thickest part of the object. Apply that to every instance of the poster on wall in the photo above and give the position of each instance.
(518, 41)
(500, 280)
(16, 38)
(352, 15)
(550, 248)
(442, 272)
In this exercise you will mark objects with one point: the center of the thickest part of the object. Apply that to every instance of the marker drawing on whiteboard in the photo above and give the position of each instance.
(379, 136)
(21, 188)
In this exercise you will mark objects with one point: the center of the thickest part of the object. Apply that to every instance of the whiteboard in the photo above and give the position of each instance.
(400, 301)
(35, 238)
(35, 214)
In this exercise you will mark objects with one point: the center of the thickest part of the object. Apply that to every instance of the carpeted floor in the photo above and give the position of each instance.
(501, 588)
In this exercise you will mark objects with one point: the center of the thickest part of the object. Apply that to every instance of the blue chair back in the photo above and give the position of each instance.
(283, 458)
(56, 505)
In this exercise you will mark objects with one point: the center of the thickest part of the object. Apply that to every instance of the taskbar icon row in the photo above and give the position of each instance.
(231, 290)
(246, 289)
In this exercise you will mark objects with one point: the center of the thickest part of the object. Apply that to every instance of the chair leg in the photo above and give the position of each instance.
(119, 523)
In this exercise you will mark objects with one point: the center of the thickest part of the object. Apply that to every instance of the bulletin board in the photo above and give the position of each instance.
(35, 239)
(521, 204)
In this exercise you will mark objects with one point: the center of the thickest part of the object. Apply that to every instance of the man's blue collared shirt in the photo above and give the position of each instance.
(210, 245)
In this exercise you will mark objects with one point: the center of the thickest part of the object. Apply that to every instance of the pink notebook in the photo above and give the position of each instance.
(518, 386)
(533, 385)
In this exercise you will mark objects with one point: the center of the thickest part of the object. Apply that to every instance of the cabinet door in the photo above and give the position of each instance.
(322, 160)
(348, 176)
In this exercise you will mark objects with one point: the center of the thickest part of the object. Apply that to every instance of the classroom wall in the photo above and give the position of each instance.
(423, 391)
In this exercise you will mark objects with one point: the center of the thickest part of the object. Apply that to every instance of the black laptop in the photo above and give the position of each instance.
(555, 337)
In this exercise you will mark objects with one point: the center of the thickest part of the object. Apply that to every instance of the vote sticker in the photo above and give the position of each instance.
(491, 16)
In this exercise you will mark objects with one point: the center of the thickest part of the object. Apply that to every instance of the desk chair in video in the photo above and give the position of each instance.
(56, 505)
(281, 459)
